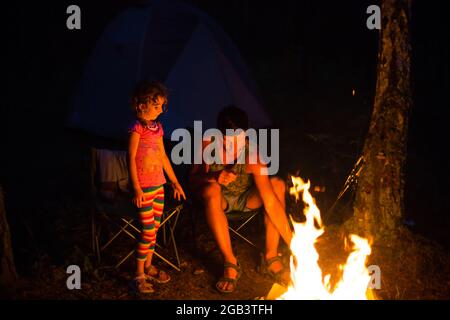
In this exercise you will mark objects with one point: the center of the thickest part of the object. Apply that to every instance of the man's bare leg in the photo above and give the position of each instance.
(218, 223)
(272, 234)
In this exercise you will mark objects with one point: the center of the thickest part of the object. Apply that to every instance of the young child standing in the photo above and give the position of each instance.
(147, 163)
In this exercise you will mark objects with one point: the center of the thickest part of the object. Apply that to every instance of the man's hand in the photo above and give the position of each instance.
(225, 177)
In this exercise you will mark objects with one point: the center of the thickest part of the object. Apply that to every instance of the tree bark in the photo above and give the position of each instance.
(378, 206)
(8, 274)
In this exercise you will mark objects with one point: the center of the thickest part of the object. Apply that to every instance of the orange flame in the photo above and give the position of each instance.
(306, 275)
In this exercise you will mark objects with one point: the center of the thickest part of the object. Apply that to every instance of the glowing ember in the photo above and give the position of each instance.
(306, 275)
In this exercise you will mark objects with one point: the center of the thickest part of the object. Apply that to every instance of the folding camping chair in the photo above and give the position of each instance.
(237, 221)
(111, 204)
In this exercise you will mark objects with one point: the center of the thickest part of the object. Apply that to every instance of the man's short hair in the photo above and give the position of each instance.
(232, 117)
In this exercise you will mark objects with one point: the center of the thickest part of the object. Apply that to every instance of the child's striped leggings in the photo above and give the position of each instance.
(150, 215)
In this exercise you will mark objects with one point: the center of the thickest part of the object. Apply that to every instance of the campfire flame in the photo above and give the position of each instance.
(306, 275)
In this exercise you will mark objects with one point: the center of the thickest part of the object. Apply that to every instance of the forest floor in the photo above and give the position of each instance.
(412, 268)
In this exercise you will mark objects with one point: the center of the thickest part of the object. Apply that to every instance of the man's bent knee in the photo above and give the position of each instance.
(210, 191)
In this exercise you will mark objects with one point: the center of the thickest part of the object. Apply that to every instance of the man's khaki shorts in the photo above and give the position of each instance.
(237, 202)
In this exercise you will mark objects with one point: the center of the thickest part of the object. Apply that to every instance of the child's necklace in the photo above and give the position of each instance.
(152, 125)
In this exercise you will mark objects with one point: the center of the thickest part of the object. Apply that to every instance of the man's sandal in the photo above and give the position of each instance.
(276, 276)
(228, 280)
(159, 277)
(140, 285)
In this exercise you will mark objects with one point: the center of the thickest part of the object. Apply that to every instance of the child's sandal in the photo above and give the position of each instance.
(140, 285)
(159, 277)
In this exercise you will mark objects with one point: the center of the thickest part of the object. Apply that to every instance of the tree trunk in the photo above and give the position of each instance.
(8, 275)
(378, 206)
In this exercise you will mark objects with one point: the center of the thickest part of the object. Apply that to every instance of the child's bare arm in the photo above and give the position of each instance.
(132, 150)
(167, 166)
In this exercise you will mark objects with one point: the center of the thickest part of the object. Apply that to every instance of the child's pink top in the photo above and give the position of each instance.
(148, 156)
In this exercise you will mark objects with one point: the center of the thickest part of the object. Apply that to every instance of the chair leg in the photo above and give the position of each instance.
(93, 232)
(164, 235)
(122, 229)
(242, 237)
(246, 221)
(97, 249)
(166, 261)
(236, 231)
(175, 249)
(128, 223)
(124, 259)
(172, 226)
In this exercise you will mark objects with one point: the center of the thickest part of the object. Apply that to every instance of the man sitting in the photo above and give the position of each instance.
(226, 186)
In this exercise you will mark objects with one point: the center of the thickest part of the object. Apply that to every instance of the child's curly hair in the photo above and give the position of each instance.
(146, 91)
